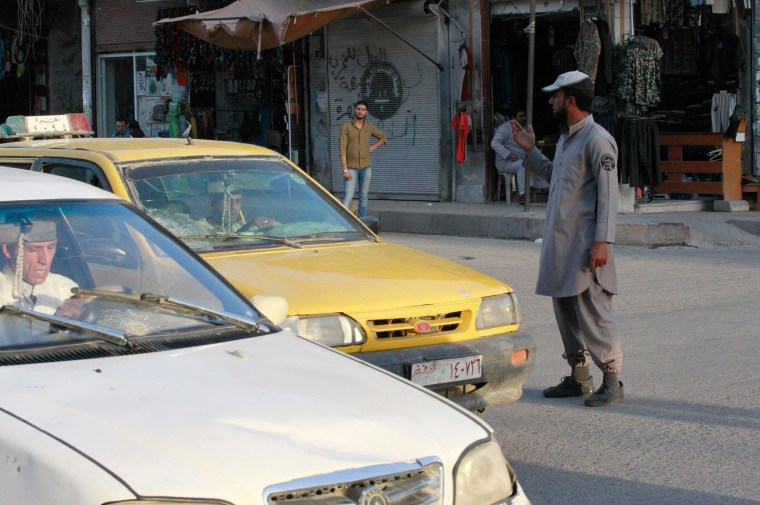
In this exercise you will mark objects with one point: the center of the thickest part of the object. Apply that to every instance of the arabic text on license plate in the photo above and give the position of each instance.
(447, 370)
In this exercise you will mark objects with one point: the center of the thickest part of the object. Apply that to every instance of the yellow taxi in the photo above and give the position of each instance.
(269, 228)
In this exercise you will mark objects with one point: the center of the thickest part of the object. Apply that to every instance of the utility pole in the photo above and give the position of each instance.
(531, 31)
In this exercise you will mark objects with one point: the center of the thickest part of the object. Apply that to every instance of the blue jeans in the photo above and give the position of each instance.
(362, 176)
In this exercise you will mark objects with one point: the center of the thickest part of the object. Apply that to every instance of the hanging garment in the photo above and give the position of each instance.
(461, 125)
(465, 55)
(639, 161)
(460, 70)
(723, 104)
(604, 72)
(588, 46)
(650, 12)
(680, 52)
(638, 74)
(723, 57)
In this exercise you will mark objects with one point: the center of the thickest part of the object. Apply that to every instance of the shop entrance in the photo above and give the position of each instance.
(128, 89)
(682, 70)
(555, 36)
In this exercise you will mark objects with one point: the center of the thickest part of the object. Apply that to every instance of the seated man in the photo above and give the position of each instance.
(510, 156)
(226, 203)
(26, 280)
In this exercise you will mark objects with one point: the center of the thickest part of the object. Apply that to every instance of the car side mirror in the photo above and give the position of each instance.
(273, 307)
(372, 222)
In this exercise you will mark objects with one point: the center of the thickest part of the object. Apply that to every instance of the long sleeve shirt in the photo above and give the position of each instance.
(354, 143)
(582, 209)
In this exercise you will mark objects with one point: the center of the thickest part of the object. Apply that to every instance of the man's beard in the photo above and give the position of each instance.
(560, 116)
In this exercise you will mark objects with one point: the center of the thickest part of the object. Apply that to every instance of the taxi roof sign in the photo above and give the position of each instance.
(61, 125)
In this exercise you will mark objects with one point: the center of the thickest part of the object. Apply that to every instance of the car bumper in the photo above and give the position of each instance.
(501, 381)
(519, 497)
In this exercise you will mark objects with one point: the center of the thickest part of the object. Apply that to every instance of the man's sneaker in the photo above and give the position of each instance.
(570, 387)
(606, 395)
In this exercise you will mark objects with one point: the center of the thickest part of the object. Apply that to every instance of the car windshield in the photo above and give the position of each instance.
(240, 203)
(76, 272)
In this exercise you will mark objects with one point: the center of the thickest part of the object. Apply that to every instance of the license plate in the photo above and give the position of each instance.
(447, 370)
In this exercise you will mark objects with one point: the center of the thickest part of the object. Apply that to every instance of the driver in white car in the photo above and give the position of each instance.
(26, 280)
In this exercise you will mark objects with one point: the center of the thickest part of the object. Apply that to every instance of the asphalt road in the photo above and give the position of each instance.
(689, 429)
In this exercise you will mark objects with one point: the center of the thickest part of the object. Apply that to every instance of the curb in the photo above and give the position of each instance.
(634, 230)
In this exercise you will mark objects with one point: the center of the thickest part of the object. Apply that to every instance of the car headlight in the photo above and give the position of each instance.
(499, 310)
(482, 475)
(332, 330)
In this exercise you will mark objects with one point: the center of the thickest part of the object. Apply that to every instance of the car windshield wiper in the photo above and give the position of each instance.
(236, 236)
(333, 234)
(106, 334)
(173, 305)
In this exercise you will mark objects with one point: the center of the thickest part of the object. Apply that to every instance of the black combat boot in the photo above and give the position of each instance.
(579, 383)
(610, 392)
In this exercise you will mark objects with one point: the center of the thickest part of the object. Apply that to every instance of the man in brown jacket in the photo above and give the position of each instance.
(355, 159)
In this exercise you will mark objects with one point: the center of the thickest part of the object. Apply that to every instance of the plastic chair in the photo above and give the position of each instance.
(510, 184)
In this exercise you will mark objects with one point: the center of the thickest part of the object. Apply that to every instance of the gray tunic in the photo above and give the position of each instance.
(582, 209)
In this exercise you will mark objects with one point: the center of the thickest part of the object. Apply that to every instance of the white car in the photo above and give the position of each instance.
(131, 373)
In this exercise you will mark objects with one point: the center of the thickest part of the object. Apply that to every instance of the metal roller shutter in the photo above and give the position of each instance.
(127, 24)
(365, 61)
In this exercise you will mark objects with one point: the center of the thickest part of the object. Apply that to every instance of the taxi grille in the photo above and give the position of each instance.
(420, 486)
(408, 327)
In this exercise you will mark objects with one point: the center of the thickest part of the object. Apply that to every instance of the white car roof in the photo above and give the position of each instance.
(17, 185)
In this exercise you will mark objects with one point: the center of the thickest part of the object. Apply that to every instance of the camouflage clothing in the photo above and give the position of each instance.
(588, 47)
(638, 61)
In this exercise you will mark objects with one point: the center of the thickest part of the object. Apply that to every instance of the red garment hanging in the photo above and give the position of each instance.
(461, 123)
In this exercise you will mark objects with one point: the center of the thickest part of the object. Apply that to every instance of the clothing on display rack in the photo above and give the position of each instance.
(723, 58)
(723, 104)
(588, 46)
(638, 142)
(462, 90)
(603, 111)
(680, 52)
(605, 75)
(638, 72)
(650, 12)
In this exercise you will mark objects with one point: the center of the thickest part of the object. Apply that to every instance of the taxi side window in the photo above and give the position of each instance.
(83, 172)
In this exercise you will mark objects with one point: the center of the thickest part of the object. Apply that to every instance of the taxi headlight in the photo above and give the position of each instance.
(333, 330)
(499, 310)
(482, 475)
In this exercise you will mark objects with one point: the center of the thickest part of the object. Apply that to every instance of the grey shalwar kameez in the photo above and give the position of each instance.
(582, 209)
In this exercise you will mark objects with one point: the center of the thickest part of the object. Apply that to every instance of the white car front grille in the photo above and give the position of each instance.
(414, 483)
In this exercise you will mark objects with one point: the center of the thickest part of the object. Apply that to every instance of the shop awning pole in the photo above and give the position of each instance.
(394, 32)
(531, 30)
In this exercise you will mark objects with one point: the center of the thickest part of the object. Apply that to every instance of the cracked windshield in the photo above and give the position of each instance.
(239, 204)
(97, 271)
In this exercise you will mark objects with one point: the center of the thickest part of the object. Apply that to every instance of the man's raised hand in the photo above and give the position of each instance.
(524, 137)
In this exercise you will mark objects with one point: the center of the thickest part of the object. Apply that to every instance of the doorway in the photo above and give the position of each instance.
(127, 89)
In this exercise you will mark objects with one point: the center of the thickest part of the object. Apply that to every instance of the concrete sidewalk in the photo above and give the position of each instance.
(669, 223)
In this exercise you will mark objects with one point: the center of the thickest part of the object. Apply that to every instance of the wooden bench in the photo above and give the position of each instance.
(673, 167)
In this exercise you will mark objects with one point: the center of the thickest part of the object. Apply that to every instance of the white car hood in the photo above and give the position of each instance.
(227, 420)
